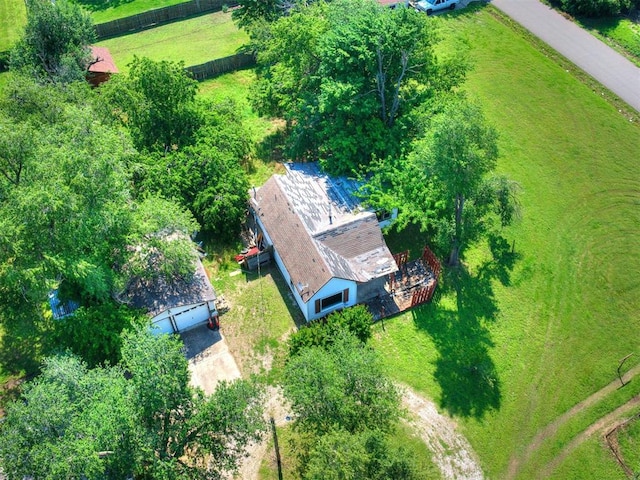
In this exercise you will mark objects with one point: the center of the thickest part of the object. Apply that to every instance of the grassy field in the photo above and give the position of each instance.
(13, 16)
(192, 41)
(621, 33)
(106, 10)
(513, 343)
(629, 441)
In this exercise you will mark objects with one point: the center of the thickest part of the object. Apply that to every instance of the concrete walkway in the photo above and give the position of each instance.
(587, 52)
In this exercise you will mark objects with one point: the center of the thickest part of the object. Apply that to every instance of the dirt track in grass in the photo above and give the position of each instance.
(551, 429)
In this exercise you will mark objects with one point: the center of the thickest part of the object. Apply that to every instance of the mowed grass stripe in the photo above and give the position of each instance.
(13, 17)
(102, 10)
(194, 41)
(570, 311)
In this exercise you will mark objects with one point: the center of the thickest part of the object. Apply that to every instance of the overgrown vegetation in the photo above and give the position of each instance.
(351, 79)
(55, 43)
(596, 8)
(105, 423)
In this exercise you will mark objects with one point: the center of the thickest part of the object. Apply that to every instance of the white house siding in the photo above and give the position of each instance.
(332, 287)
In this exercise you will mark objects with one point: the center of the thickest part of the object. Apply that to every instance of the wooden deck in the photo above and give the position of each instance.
(412, 285)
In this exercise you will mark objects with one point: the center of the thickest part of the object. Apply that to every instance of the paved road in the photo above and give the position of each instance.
(587, 52)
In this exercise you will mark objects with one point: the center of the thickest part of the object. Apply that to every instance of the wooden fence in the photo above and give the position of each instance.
(221, 65)
(159, 16)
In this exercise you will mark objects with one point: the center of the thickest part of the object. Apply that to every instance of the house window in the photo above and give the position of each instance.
(331, 301)
(383, 215)
(328, 302)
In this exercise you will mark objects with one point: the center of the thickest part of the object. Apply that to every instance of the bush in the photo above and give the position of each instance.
(4, 61)
(93, 332)
(595, 8)
(321, 333)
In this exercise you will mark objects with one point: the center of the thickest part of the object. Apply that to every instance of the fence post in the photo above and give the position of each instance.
(275, 443)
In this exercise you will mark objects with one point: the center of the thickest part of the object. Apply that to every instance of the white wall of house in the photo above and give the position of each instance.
(393, 215)
(318, 307)
(179, 319)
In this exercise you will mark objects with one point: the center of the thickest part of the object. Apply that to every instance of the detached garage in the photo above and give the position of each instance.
(177, 306)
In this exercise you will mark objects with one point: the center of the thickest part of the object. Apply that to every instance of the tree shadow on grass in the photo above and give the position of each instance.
(465, 370)
(99, 5)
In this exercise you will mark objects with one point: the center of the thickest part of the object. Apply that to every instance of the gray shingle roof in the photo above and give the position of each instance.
(158, 295)
(320, 230)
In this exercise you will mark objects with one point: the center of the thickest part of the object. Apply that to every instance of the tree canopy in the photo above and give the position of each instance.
(191, 150)
(75, 422)
(349, 78)
(340, 387)
(447, 183)
(156, 101)
(55, 44)
(69, 218)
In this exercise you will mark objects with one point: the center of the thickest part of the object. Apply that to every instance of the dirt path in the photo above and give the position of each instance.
(551, 429)
(451, 451)
(275, 406)
(603, 425)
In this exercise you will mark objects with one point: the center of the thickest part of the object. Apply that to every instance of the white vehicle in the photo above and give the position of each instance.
(430, 6)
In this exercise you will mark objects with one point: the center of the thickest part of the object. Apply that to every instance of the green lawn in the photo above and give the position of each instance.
(514, 343)
(619, 32)
(629, 440)
(13, 16)
(192, 41)
(105, 10)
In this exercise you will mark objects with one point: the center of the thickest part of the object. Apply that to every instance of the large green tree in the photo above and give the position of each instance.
(68, 218)
(71, 422)
(349, 76)
(55, 44)
(192, 150)
(140, 419)
(156, 101)
(447, 184)
(340, 387)
(344, 406)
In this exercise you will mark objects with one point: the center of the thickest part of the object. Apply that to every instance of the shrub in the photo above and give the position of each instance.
(321, 333)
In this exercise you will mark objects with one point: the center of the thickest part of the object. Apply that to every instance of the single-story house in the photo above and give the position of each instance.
(101, 66)
(328, 247)
(177, 306)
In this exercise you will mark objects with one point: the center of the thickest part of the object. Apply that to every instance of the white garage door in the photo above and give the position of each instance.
(191, 317)
(162, 326)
